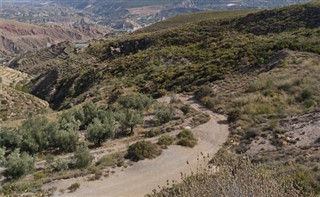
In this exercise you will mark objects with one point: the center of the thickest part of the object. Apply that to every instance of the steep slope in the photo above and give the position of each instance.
(15, 103)
(16, 37)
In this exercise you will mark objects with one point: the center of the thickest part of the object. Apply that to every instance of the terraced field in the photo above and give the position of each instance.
(11, 77)
(14, 103)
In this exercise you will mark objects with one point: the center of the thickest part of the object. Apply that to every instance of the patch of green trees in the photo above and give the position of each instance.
(39, 135)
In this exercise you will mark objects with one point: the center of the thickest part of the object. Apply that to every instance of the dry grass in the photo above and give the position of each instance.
(232, 176)
(185, 19)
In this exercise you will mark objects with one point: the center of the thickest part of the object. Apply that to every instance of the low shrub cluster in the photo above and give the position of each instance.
(186, 138)
(143, 150)
(165, 140)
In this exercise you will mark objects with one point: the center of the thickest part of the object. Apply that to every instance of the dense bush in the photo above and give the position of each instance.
(186, 138)
(142, 150)
(89, 111)
(35, 132)
(164, 114)
(82, 157)
(135, 101)
(153, 132)
(73, 187)
(9, 138)
(98, 132)
(234, 115)
(59, 165)
(18, 164)
(185, 108)
(202, 92)
(165, 140)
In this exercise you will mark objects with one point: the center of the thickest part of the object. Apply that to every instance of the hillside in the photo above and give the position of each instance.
(17, 37)
(185, 19)
(260, 69)
(160, 61)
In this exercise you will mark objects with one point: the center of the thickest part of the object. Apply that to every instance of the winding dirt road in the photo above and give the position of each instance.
(146, 175)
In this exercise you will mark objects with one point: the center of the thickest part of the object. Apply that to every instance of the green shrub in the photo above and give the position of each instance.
(135, 101)
(165, 140)
(35, 133)
(202, 92)
(164, 114)
(64, 139)
(187, 142)
(74, 187)
(82, 157)
(111, 160)
(186, 138)
(142, 150)
(159, 93)
(10, 138)
(153, 132)
(98, 132)
(59, 165)
(185, 109)
(308, 102)
(234, 115)
(89, 112)
(18, 164)
(2, 157)
(306, 94)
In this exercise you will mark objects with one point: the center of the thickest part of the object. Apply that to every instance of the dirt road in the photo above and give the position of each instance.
(146, 175)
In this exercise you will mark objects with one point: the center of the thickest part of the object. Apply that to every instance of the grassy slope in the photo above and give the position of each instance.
(185, 19)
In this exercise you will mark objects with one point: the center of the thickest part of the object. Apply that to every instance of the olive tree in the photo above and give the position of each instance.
(82, 157)
(98, 132)
(34, 132)
(135, 101)
(164, 114)
(10, 138)
(18, 164)
(129, 119)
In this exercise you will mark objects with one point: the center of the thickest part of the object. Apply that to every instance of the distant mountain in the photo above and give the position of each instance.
(145, 12)
(122, 15)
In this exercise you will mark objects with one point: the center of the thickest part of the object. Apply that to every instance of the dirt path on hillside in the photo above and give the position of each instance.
(146, 175)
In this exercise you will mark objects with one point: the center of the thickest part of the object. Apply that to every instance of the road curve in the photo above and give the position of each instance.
(146, 175)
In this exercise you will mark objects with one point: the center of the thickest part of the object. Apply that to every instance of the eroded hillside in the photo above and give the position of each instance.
(17, 37)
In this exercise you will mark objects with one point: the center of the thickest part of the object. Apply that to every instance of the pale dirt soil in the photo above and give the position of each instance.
(144, 176)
